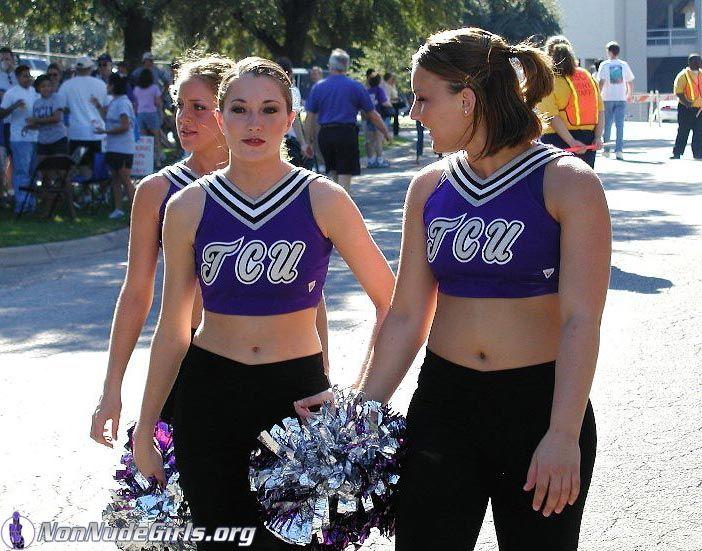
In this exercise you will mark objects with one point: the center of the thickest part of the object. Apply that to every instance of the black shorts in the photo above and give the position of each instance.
(92, 146)
(221, 407)
(118, 161)
(339, 146)
(59, 147)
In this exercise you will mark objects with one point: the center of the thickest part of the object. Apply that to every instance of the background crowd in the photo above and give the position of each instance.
(96, 111)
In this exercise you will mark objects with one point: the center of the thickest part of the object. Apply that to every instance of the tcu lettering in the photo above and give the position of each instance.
(249, 266)
(500, 236)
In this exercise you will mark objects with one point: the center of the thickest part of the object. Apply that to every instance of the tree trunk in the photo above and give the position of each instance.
(138, 35)
(298, 20)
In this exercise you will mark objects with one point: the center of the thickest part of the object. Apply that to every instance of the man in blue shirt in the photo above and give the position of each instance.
(334, 103)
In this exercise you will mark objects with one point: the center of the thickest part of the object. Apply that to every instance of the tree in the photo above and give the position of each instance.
(135, 18)
(300, 28)
(515, 20)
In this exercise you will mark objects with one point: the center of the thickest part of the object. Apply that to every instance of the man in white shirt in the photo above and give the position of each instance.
(7, 81)
(17, 103)
(83, 116)
(615, 79)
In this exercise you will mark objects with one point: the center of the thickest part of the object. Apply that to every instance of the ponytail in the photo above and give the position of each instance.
(537, 71)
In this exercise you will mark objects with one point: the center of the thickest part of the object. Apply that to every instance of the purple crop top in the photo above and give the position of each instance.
(178, 176)
(263, 256)
(494, 238)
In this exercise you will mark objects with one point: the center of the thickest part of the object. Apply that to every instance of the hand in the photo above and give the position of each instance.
(598, 143)
(303, 407)
(555, 468)
(109, 408)
(387, 136)
(307, 151)
(99, 130)
(19, 104)
(579, 145)
(147, 458)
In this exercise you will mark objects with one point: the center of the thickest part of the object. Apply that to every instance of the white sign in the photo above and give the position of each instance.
(144, 157)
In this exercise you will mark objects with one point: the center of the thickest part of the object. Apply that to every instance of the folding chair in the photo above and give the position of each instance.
(51, 181)
(96, 183)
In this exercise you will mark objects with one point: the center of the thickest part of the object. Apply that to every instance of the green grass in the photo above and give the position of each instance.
(399, 140)
(31, 229)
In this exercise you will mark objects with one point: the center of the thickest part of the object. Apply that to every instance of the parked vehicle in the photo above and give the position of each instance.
(669, 110)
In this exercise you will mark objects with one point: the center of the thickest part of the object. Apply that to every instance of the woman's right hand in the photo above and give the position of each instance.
(109, 408)
(147, 458)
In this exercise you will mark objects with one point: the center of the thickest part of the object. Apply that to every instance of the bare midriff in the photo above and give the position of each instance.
(260, 339)
(491, 334)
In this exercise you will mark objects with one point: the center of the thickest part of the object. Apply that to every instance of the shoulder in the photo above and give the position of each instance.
(185, 207)
(326, 194)
(152, 189)
(570, 183)
(423, 184)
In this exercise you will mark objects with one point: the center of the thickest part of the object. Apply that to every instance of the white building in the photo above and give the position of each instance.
(655, 36)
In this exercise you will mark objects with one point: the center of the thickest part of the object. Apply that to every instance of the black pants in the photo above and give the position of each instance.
(584, 136)
(471, 438)
(398, 105)
(688, 122)
(221, 407)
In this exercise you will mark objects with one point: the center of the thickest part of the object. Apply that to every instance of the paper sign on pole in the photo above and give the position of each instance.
(144, 157)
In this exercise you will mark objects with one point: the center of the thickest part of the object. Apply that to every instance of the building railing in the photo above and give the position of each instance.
(671, 37)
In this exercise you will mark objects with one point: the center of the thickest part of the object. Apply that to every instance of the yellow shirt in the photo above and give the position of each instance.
(681, 85)
(554, 105)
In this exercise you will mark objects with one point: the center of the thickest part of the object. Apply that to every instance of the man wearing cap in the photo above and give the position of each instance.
(83, 116)
(688, 88)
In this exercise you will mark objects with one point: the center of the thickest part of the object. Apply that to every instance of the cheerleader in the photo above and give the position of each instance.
(257, 237)
(195, 91)
(505, 267)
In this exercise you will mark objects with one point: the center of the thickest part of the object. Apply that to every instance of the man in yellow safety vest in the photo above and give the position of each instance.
(688, 88)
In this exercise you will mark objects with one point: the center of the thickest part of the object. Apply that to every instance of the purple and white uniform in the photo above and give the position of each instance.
(493, 237)
(178, 176)
(262, 256)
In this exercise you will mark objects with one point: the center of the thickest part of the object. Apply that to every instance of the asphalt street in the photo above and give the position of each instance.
(646, 492)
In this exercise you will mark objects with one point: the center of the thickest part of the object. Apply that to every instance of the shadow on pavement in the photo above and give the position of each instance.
(632, 225)
(627, 281)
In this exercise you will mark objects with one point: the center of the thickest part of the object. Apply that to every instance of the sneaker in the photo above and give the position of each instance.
(383, 163)
(619, 155)
(605, 153)
(116, 214)
(675, 157)
(372, 163)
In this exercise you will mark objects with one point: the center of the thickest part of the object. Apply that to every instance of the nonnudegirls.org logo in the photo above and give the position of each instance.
(17, 532)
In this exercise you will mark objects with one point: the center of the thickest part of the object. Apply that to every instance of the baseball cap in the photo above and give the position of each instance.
(84, 62)
(147, 55)
(105, 57)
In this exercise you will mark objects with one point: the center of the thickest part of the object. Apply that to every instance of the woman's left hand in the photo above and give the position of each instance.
(303, 407)
(555, 469)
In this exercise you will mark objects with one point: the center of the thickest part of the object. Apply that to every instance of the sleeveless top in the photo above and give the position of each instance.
(178, 176)
(493, 237)
(260, 256)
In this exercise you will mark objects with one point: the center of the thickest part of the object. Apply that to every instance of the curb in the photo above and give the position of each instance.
(44, 253)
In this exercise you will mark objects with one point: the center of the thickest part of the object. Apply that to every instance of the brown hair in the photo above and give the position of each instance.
(485, 63)
(209, 68)
(564, 63)
(256, 66)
